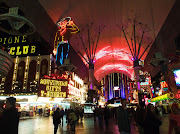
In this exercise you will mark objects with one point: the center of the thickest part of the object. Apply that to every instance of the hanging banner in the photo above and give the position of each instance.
(53, 88)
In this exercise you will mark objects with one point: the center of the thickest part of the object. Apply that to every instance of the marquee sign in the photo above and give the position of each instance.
(53, 88)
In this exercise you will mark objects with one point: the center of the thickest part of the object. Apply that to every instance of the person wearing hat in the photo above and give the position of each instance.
(62, 37)
(11, 117)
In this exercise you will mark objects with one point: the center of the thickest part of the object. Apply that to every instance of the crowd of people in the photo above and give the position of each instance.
(72, 117)
(147, 118)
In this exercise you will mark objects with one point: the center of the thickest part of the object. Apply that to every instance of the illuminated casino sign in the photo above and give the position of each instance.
(22, 50)
(22, 45)
(53, 88)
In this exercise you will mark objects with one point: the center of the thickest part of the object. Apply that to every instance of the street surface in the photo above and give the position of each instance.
(44, 125)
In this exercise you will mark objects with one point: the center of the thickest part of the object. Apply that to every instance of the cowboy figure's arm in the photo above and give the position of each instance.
(56, 41)
(74, 29)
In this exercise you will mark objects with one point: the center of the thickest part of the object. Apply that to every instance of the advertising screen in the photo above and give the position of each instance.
(177, 77)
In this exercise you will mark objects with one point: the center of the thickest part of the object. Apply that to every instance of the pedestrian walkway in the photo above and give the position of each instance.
(44, 125)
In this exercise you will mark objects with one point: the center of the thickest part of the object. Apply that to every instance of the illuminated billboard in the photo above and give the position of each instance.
(56, 88)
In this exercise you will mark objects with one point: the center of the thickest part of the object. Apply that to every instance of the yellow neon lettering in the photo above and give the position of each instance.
(52, 88)
(54, 94)
(42, 81)
(56, 88)
(12, 50)
(4, 40)
(24, 39)
(48, 94)
(33, 49)
(18, 51)
(16, 39)
(10, 40)
(66, 83)
(25, 49)
(0, 39)
(47, 82)
(42, 93)
(56, 83)
(64, 94)
(47, 88)
(59, 88)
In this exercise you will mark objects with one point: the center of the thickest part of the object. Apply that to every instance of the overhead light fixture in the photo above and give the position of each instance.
(15, 24)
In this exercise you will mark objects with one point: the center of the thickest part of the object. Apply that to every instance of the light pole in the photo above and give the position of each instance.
(135, 40)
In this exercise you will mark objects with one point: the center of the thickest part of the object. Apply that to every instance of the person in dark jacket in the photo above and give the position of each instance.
(106, 116)
(11, 117)
(100, 116)
(56, 120)
(81, 114)
(139, 118)
(151, 122)
(62, 114)
(95, 113)
(123, 119)
(77, 113)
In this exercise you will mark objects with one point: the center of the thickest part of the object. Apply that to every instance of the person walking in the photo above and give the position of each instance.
(11, 117)
(73, 119)
(67, 118)
(106, 116)
(95, 113)
(100, 116)
(62, 114)
(77, 113)
(139, 118)
(123, 119)
(56, 120)
(81, 113)
(151, 122)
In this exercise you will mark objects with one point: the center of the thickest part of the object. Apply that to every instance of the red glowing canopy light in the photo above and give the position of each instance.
(113, 57)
